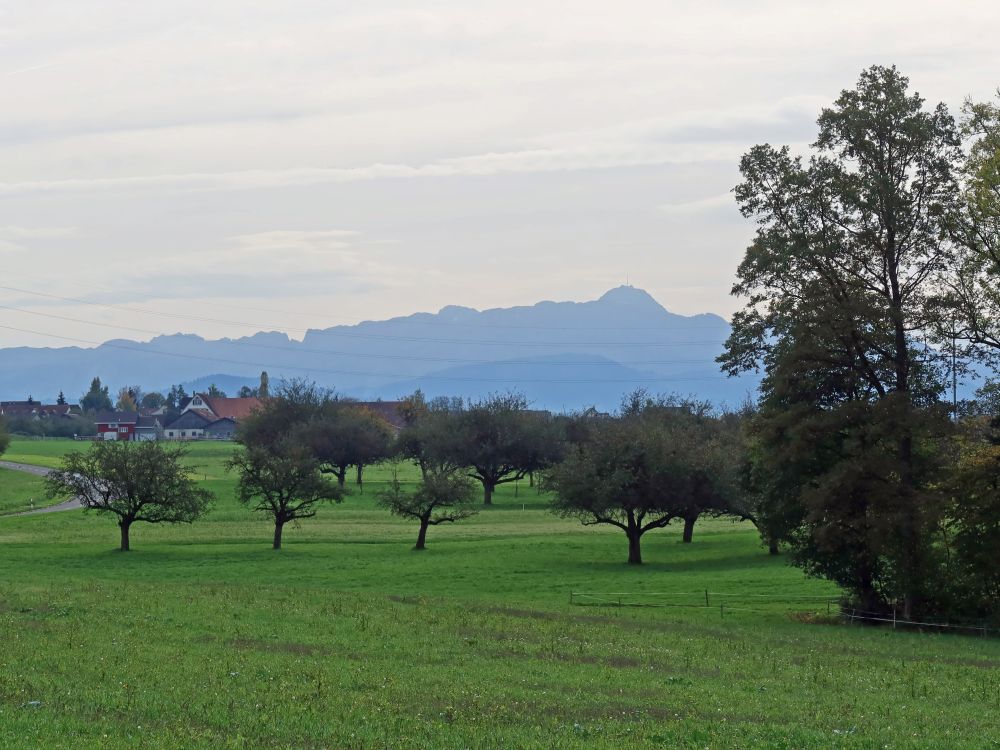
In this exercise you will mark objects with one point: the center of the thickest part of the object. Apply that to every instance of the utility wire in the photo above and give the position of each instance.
(357, 334)
(297, 348)
(113, 345)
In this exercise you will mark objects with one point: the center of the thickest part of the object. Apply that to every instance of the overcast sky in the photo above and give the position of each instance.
(297, 164)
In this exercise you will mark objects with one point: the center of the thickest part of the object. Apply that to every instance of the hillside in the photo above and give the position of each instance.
(562, 354)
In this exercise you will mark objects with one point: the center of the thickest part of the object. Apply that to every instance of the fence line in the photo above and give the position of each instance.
(846, 613)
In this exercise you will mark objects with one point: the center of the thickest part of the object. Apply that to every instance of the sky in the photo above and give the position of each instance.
(222, 167)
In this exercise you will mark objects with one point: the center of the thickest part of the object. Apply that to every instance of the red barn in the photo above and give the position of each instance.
(117, 425)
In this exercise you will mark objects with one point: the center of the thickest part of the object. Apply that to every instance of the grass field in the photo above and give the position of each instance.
(205, 637)
(20, 492)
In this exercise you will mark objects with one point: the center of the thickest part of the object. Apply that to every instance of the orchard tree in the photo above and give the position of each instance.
(145, 482)
(430, 436)
(501, 441)
(441, 496)
(341, 435)
(839, 283)
(618, 475)
(282, 481)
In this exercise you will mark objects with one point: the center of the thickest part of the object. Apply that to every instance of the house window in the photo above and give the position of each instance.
(123, 430)
(183, 433)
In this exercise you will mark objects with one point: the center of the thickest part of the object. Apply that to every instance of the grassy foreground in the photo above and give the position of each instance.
(204, 637)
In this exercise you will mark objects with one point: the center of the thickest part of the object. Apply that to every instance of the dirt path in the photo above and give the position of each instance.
(39, 471)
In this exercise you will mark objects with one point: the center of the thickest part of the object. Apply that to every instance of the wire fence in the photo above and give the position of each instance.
(723, 601)
(734, 603)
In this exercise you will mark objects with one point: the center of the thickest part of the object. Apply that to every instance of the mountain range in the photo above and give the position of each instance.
(561, 355)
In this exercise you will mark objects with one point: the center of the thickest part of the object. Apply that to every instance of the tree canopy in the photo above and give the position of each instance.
(842, 283)
(97, 398)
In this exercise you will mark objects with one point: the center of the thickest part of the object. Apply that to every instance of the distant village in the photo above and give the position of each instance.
(136, 416)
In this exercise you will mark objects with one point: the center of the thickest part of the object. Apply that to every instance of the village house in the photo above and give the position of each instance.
(205, 417)
(127, 425)
(36, 410)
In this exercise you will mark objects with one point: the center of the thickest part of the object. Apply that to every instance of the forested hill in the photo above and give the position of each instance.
(562, 355)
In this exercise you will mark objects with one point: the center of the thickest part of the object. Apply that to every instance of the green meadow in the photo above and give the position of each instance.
(205, 637)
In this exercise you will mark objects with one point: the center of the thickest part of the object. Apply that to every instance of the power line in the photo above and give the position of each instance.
(113, 345)
(357, 334)
(296, 348)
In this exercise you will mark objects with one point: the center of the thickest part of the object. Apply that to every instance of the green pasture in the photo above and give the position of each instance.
(20, 492)
(205, 637)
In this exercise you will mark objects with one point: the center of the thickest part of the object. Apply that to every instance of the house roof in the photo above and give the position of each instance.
(147, 422)
(190, 420)
(232, 408)
(20, 408)
(117, 417)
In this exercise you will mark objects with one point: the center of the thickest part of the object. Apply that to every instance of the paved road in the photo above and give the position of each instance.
(40, 471)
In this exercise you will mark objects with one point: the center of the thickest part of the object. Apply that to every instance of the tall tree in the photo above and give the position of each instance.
(61, 400)
(838, 283)
(97, 398)
(283, 482)
(135, 482)
(970, 310)
(264, 389)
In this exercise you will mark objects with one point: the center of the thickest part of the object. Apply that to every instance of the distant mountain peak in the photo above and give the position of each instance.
(633, 296)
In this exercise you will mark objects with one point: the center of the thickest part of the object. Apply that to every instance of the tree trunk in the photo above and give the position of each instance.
(488, 488)
(772, 545)
(341, 477)
(422, 536)
(634, 553)
(124, 526)
(689, 522)
(531, 479)
(278, 526)
(361, 469)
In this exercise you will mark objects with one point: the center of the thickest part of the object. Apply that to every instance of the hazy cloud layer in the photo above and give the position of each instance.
(304, 163)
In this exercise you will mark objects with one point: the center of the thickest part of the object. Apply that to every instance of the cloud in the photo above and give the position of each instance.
(11, 230)
(702, 205)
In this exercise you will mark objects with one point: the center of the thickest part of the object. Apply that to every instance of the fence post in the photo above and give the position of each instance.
(706, 597)
(722, 609)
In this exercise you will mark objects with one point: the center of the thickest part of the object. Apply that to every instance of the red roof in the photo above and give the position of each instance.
(233, 408)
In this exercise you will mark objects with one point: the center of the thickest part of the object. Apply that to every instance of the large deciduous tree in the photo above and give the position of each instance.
(282, 481)
(839, 282)
(135, 482)
(970, 309)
